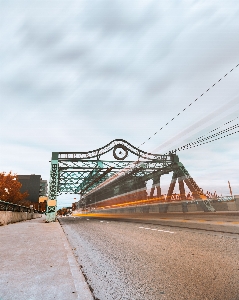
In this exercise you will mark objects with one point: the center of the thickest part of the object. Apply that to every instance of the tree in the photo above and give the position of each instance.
(59, 212)
(10, 189)
(62, 211)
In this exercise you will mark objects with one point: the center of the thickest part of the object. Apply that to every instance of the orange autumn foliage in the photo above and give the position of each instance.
(10, 189)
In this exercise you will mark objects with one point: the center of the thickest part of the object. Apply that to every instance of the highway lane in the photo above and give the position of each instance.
(138, 261)
(219, 221)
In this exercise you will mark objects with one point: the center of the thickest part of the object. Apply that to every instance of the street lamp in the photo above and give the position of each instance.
(90, 205)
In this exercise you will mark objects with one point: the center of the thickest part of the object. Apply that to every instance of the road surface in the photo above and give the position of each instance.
(139, 261)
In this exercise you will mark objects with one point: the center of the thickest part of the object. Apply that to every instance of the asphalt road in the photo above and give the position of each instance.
(128, 260)
(219, 221)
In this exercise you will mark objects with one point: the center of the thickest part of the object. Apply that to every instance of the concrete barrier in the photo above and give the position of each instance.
(222, 206)
(231, 205)
(193, 207)
(180, 206)
(175, 207)
(236, 197)
(154, 208)
(8, 217)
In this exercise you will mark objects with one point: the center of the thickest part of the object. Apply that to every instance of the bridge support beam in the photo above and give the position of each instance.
(181, 188)
(52, 201)
(172, 186)
(156, 184)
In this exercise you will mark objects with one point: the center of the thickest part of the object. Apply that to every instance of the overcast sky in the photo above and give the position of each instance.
(75, 75)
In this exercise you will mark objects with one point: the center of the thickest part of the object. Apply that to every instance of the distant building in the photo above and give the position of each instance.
(43, 199)
(34, 185)
(42, 203)
(43, 188)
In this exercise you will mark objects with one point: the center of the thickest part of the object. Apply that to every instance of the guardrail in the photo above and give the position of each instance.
(8, 206)
(225, 198)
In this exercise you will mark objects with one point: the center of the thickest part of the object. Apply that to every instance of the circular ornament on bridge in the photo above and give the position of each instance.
(120, 152)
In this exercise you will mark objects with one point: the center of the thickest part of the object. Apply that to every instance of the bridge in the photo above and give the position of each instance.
(110, 183)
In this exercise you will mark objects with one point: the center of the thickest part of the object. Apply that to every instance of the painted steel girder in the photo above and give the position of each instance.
(53, 181)
(139, 176)
(91, 164)
(134, 180)
(192, 185)
(75, 182)
(72, 172)
(115, 165)
(110, 146)
(78, 181)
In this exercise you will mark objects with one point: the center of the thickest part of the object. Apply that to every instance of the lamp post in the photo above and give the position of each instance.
(230, 187)
(90, 205)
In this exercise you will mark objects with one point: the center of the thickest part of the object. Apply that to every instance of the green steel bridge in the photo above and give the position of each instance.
(110, 181)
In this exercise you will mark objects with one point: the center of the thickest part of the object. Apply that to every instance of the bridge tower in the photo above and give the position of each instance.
(53, 187)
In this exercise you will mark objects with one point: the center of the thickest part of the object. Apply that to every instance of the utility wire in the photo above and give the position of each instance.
(217, 128)
(216, 134)
(190, 104)
(208, 139)
(213, 140)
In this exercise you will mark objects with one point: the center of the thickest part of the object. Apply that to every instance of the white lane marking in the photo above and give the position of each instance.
(101, 221)
(156, 229)
(87, 219)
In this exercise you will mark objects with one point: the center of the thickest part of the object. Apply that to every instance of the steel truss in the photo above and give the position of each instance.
(133, 185)
(87, 174)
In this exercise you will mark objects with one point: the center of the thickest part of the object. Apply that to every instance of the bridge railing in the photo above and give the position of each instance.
(8, 206)
(226, 198)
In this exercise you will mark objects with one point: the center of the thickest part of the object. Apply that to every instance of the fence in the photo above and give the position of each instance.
(9, 206)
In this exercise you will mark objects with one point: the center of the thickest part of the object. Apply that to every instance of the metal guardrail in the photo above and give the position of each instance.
(219, 199)
(8, 206)
(225, 198)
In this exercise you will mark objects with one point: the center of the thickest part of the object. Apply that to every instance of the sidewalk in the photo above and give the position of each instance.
(37, 263)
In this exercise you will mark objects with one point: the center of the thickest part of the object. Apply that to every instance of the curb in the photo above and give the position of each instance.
(81, 286)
